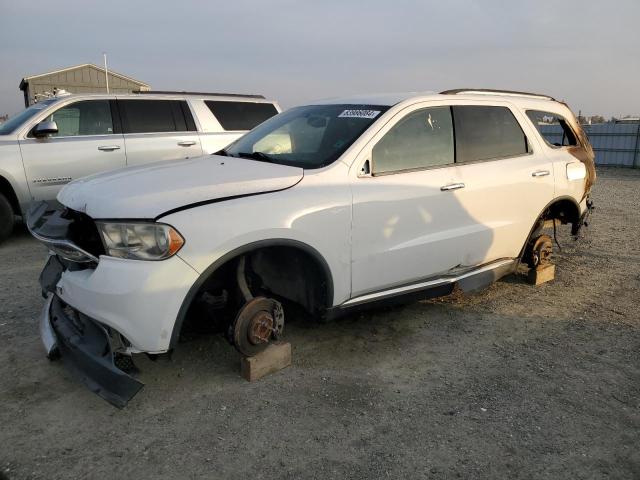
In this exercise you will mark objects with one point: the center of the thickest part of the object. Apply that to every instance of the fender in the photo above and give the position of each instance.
(276, 242)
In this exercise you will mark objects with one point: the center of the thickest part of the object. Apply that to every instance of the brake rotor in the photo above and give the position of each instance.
(259, 322)
(541, 252)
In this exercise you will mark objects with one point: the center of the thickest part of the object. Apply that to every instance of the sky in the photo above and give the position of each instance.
(585, 53)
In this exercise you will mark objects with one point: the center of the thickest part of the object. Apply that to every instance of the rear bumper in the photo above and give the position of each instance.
(86, 351)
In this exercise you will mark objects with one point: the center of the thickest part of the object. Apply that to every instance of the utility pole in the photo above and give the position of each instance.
(106, 71)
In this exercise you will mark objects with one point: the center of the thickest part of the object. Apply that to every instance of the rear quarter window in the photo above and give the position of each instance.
(240, 115)
(553, 128)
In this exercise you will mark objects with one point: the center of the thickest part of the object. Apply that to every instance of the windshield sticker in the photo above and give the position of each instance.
(359, 114)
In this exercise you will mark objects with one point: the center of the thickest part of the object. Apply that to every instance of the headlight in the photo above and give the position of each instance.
(140, 241)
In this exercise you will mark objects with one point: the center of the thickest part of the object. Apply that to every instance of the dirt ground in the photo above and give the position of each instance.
(515, 382)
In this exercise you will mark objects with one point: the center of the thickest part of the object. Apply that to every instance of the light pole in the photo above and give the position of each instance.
(106, 71)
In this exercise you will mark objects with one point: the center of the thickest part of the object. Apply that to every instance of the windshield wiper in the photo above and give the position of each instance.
(256, 156)
(222, 152)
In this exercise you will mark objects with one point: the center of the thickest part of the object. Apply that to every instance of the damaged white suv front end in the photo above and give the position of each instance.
(330, 207)
(115, 286)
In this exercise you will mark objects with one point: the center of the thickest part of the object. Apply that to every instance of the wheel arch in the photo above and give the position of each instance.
(6, 189)
(236, 253)
(564, 208)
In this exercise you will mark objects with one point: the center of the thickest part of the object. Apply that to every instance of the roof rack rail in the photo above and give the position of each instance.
(489, 91)
(207, 94)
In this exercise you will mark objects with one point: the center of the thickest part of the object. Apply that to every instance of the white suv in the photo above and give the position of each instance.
(330, 206)
(72, 136)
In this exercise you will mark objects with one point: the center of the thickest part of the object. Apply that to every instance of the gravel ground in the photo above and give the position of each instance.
(514, 382)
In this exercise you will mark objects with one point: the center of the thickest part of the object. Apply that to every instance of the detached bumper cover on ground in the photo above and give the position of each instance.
(84, 347)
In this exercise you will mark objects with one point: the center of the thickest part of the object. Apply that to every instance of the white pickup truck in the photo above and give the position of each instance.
(64, 138)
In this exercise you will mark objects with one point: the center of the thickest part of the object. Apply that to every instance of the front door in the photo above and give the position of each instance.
(86, 143)
(408, 224)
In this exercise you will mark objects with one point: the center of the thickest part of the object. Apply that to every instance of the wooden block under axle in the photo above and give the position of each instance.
(276, 357)
(538, 276)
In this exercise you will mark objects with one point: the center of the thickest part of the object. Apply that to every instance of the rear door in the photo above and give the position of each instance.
(88, 141)
(158, 129)
(507, 179)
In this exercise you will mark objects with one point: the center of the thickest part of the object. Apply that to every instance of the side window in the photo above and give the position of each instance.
(89, 117)
(485, 133)
(553, 128)
(421, 139)
(240, 115)
(155, 116)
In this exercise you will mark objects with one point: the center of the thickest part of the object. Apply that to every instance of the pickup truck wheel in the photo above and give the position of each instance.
(6, 218)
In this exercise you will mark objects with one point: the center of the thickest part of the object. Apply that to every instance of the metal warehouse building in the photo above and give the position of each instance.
(85, 78)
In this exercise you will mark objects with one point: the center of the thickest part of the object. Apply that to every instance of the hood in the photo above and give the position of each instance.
(148, 191)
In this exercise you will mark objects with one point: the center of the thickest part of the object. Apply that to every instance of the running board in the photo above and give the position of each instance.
(468, 282)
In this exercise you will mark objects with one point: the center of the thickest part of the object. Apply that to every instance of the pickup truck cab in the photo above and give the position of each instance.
(331, 206)
(61, 139)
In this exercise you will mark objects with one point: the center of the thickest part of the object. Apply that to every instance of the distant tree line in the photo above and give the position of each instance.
(588, 120)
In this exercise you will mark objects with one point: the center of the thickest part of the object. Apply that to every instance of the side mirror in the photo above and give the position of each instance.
(45, 128)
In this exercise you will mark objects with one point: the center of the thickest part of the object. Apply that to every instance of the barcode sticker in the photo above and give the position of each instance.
(359, 114)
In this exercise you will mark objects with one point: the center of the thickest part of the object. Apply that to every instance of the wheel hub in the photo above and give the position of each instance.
(259, 321)
(260, 328)
(541, 251)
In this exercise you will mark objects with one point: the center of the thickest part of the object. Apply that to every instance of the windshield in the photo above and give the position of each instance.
(309, 137)
(14, 122)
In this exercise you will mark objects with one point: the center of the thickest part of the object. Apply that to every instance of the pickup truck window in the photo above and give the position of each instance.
(422, 139)
(90, 117)
(17, 120)
(310, 137)
(240, 115)
(155, 116)
(487, 133)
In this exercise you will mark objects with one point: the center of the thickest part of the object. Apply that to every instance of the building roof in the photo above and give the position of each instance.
(25, 80)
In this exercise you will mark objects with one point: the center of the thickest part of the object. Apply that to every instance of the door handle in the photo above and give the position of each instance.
(540, 173)
(187, 143)
(452, 186)
(109, 148)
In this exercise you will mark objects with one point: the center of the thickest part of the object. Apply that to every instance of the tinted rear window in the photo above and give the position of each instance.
(485, 133)
(155, 116)
(240, 115)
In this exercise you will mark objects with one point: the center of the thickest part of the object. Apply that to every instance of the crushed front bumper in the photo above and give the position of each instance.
(86, 351)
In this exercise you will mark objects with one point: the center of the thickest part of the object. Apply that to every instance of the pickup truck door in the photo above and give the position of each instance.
(158, 129)
(407, 223)
(88, 141)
